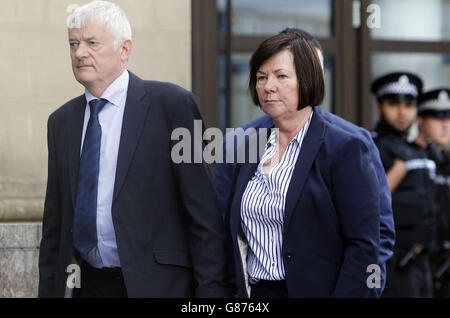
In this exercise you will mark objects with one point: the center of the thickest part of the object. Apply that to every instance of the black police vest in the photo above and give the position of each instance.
(414, 201)
(442, 181)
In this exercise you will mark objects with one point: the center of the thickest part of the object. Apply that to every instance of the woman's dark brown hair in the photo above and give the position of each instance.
(306, 61)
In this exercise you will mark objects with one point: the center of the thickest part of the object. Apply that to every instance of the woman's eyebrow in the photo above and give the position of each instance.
(280, 70)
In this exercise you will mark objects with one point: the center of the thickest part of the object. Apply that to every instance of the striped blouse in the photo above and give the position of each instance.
(262, 209)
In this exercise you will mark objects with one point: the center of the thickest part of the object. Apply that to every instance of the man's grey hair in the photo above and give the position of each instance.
(102, 12)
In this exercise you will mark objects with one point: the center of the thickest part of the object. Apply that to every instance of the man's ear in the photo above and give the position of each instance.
(378, 110)
(125, 50)
(420, 121)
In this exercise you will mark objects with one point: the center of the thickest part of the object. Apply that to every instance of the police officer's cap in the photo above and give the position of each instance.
(399, 86)
(435, 103)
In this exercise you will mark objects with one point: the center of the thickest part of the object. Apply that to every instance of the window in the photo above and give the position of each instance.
(414, 36)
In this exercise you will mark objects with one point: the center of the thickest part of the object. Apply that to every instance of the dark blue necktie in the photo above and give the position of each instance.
(85, 218)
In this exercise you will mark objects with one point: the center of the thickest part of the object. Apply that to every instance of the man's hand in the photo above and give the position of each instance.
(396, 174)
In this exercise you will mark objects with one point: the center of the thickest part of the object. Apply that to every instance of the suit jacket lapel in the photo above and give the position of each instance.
(133, 121)
(75, 121)
(311, 145)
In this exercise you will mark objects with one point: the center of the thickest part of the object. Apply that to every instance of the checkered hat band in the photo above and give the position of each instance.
(398, 89)
(436, 105)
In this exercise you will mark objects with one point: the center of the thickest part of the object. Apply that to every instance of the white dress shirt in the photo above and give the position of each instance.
(110, 118)
(262, 209)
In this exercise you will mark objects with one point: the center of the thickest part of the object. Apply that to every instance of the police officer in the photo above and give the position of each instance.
(434, 129)
(408, 171)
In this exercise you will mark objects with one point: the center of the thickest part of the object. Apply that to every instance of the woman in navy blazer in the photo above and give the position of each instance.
(303, 221)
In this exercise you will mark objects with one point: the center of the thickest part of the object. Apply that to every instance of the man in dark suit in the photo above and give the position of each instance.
(137, 224)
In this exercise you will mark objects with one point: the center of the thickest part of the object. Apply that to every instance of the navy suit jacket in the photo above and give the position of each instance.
(166, 218)
(330, 238)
